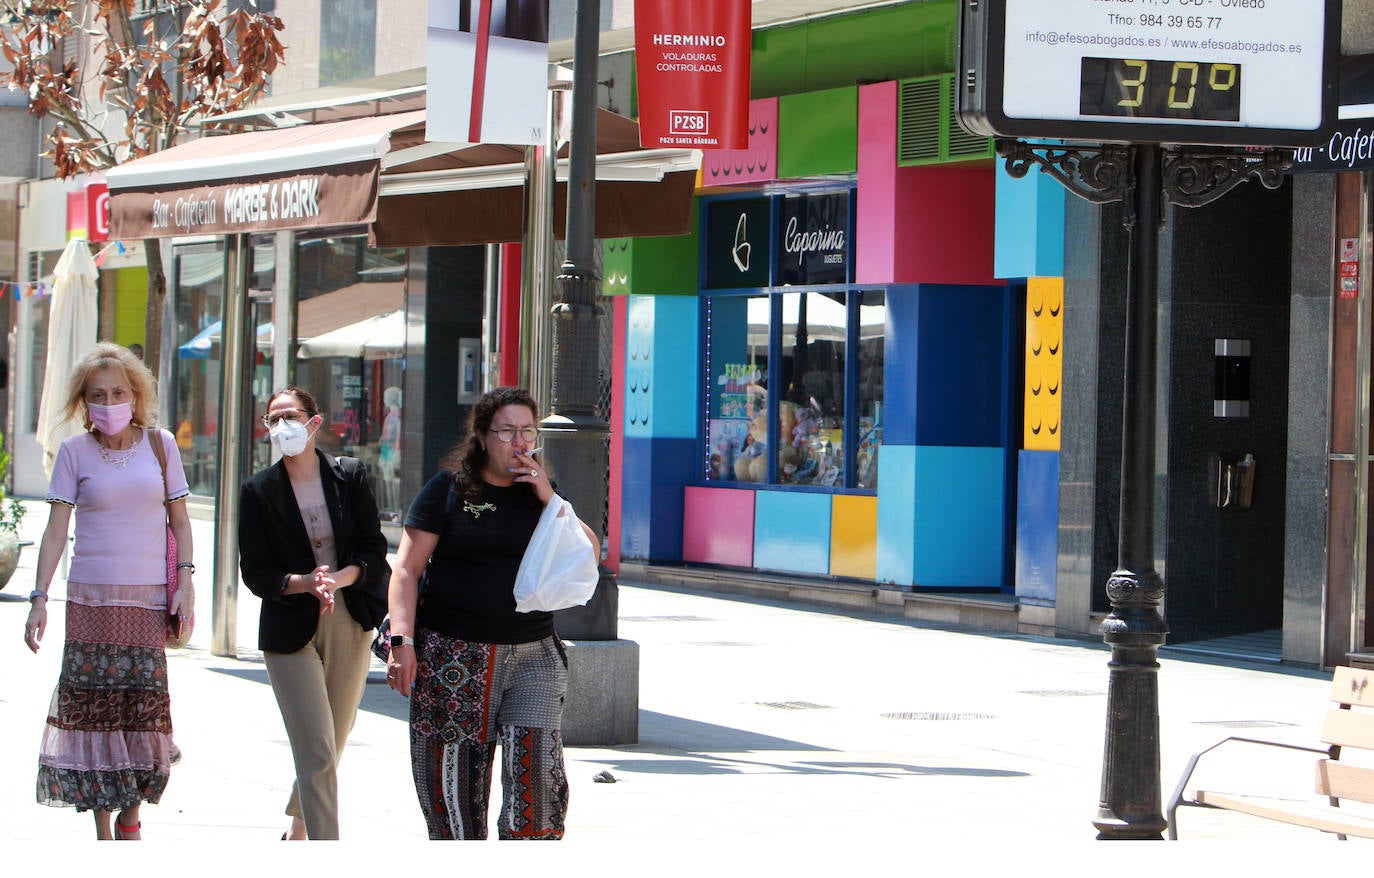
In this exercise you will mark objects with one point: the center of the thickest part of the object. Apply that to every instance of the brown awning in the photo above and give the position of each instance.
(379, 172)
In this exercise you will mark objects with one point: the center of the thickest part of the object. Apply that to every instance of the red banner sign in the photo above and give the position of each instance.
(692, 61)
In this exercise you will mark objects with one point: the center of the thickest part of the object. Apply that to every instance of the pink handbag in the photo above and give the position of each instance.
(178, 629)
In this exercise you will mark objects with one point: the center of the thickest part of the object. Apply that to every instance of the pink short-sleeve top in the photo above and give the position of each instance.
(121, 525)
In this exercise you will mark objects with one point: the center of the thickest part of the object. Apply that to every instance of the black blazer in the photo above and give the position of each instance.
(273, 542)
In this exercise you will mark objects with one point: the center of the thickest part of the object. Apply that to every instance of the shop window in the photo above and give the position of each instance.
(869, 397)
(811, 413)
(198, 273)
(824, 429)
(737, 398)
(350, 353)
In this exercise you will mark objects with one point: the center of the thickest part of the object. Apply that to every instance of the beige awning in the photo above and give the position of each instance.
(379, 172)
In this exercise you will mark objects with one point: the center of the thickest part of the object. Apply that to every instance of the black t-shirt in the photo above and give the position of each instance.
(469, 593)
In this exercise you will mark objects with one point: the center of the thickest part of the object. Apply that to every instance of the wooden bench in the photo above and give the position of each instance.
(1349, 726)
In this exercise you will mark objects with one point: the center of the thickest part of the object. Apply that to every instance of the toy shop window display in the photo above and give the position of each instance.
(737, 398)
(811, 411)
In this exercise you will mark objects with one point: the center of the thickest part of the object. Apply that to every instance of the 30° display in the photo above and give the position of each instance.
(1154, 89)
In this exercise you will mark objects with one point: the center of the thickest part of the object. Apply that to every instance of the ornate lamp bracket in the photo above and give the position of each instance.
(1100, 174)
(1196, 177)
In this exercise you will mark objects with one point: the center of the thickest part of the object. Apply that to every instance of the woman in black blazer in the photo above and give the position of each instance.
(309, 535)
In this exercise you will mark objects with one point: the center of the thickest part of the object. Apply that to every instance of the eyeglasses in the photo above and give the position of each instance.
(507, 434)
(270, 419)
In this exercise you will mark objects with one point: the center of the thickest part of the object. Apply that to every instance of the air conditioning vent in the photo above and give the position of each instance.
(927, 132)
(918, 127)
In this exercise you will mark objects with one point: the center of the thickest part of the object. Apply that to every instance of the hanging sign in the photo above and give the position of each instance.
(692, 63)
(488, 64)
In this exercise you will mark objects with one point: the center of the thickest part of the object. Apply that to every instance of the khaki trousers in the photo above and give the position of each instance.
(318, 689)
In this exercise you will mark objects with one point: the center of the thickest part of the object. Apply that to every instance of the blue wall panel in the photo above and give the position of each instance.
(947, 366)
(676, 382)
(792, 532)
(1029, 226)
(896, 514)
(964, 346)
(661, 367)
(960, 519)
(1037, 525)
(655, 473)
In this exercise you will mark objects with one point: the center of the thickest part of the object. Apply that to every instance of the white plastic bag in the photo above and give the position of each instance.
(559, 569)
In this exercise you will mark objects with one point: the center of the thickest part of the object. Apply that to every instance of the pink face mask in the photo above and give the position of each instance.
(110, 419)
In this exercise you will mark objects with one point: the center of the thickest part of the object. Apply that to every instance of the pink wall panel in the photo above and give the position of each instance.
(758, 163)
(718, 526)
(932, 224)
(617, 459)
(877, 195)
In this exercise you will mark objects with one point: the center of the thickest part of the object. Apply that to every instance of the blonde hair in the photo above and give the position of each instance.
(107, 355)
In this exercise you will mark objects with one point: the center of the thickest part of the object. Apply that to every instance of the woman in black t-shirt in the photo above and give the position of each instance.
(477, 671)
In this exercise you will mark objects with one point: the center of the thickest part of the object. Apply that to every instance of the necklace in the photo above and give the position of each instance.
(476, 509)
(120, 461)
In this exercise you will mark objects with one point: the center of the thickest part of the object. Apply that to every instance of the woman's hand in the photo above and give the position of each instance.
(400, 669)
(532, 472)
(36, 624)
(322, 585)
(184, 598)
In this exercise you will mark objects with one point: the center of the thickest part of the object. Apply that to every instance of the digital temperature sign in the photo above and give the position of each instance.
(1206, 72)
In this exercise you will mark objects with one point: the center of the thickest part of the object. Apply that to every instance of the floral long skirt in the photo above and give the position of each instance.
(108, 744)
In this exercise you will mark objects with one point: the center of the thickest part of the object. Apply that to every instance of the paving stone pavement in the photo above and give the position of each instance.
(779, 732)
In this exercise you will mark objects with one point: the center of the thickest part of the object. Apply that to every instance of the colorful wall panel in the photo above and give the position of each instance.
(960, 517)
(660, 368)
(817, 133)
(654, 474)
(792, 532)
(946, 368)
(1044, 363)
(1029, 226)
(896, 515)
(662, 266)
(718, 526)
(661, 455)
(854, 536)
(917, 225)
(1037, 525)
(758, 163)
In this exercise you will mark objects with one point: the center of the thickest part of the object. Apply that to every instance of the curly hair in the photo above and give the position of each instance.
(465, 461)
(108, 355)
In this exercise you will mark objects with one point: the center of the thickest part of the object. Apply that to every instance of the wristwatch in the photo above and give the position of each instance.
(37, 593)
(401, 640)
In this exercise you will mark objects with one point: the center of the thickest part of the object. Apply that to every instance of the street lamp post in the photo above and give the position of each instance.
(575, 435)
(1142, 176)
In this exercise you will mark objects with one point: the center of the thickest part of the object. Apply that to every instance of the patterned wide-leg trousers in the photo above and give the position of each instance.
(469, 697)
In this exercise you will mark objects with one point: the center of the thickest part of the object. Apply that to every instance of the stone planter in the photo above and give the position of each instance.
(9, 556)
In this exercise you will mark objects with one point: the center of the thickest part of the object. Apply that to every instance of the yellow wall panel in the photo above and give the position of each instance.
(1044, 362)
(854, 536)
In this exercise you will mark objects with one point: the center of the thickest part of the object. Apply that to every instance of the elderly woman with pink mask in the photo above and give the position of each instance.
(107, 746)
(311, 546)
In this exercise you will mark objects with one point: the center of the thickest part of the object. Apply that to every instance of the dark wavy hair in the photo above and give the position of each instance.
(303, 398)
(465, 461)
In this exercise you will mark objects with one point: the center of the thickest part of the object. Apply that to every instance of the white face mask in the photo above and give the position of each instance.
(289, 437)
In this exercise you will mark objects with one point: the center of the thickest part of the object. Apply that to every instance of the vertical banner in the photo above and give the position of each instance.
(692, 62)
(488, 71)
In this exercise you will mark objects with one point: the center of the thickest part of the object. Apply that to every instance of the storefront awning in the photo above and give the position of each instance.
(379, 172)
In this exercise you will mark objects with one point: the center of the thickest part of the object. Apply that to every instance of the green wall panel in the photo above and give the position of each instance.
(131, 306)
(817, 133)
(662, 266)
(914, 39)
